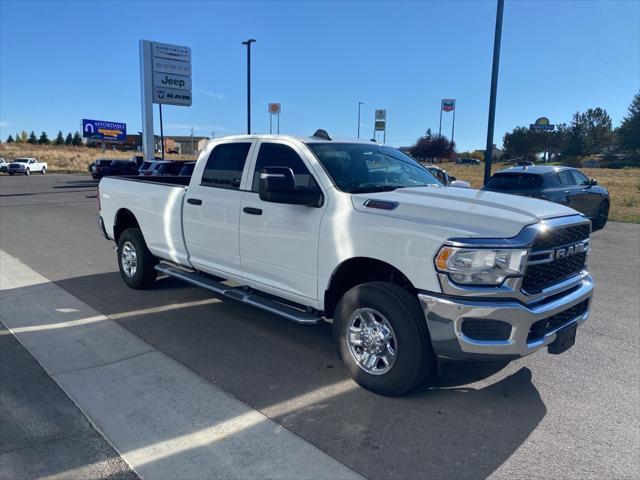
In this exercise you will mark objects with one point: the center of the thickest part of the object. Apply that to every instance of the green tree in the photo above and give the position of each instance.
(68, 141)
(32, 138)
(520, 142)
(629, 131)
(59, 138)
(44, 139)
(9, 139)
(24, 136)
(77, 139)
(599, 129)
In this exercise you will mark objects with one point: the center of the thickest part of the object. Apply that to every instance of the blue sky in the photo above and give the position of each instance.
(64, 61)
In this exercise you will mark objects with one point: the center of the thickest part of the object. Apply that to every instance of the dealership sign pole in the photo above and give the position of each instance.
(165, 78)
(380, 124)
(274, 109)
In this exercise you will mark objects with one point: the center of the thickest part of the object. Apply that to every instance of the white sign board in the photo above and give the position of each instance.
(169, 96)
(167, 80)
(381, 114)
(275, 108)
(163, 65)
(173, 52)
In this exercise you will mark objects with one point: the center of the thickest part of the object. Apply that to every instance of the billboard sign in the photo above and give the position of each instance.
(542, 125)
(448, 104)
(275, 108)
(102, 130)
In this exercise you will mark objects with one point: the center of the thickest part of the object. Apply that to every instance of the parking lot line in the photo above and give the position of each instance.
(165, 420)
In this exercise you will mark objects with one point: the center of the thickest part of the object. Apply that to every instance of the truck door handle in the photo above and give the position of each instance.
(252, 211)
(194, 201)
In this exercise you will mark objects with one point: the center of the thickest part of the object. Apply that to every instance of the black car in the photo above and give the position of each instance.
(100, 167)
(122, 167)
(187, 169)
(166, 168)
(468, 161)
(564, 185)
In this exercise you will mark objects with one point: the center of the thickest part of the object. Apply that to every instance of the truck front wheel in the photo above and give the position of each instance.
(135, 261)
(382, 338)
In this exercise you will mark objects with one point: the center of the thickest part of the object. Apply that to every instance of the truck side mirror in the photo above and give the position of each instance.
(593, 182)
(277, 185)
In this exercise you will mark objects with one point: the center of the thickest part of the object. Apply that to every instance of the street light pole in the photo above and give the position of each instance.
(359, 104)
(248, 44)
(488, 153)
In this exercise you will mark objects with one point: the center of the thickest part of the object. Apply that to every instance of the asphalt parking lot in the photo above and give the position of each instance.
(570, 416)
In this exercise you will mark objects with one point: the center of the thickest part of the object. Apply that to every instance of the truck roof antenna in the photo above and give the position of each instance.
(321, 134)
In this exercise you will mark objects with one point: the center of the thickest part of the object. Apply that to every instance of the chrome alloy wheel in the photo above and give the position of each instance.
(371, 340)
(129, 259)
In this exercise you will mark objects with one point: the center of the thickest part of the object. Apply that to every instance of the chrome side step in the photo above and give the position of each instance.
(240, 294)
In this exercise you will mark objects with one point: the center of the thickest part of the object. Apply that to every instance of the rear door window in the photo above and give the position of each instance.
(565, 177)
(225, 165)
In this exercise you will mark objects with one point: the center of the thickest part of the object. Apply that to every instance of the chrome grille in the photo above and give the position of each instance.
(542, 275)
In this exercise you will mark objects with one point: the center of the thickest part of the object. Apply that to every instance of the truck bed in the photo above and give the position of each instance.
(156, 203)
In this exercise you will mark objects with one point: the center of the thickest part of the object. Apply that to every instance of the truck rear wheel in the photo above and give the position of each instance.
(135, 261)
(382, 338)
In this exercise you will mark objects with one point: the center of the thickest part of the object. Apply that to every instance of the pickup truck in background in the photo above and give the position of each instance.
(26, 166)
(359, 234)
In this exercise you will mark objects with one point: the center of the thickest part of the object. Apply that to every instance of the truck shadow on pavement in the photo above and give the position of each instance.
(292, 374)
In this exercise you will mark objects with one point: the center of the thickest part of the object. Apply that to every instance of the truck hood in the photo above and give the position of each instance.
(467, 212)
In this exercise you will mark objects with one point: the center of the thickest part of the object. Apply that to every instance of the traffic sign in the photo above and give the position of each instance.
(102, 130)
(275, 108)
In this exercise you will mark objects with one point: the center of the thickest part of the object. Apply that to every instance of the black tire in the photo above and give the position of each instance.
(603, 215)
(145, 274)
(414, 357)
(11, 173)
(27, 172)
(43, 171)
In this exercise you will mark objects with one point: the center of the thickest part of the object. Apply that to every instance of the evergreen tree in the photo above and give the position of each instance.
(24, 136)
(18, 139)
(69, 140)
(60, 138)
(629, 132)
(44, 139)
(9, 139)
(77, 139)
(32, 138)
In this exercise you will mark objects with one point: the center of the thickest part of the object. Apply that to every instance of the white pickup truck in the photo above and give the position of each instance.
(357, 233)
(26, 166)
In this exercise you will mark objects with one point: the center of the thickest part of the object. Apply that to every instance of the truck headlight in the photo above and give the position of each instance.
(480, 266)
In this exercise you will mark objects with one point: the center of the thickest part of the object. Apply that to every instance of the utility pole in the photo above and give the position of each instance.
(161, 131)
(488, 153)
(359, 104)
(192, 150)
(248, 44)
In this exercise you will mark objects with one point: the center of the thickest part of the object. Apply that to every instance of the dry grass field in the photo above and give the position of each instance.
(67, 159)
(623, 184)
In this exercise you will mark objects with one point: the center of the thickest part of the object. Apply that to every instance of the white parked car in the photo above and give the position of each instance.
(27, 166)
(446, 179)
(3, 165)
(361, 234)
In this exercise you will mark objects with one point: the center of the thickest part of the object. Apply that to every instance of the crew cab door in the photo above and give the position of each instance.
(211, 212)
(279, 242)
(571, 191)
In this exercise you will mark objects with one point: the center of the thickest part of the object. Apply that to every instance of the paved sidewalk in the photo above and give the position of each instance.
(165, 420)
(42, 433)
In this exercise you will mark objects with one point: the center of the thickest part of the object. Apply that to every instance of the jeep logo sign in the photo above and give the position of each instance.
(167, 80)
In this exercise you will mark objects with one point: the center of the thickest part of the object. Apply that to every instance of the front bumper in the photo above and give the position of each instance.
(445, 316)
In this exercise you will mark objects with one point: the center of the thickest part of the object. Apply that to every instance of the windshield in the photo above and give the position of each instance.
(21, 160)
(514, 181)
(360, 168)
